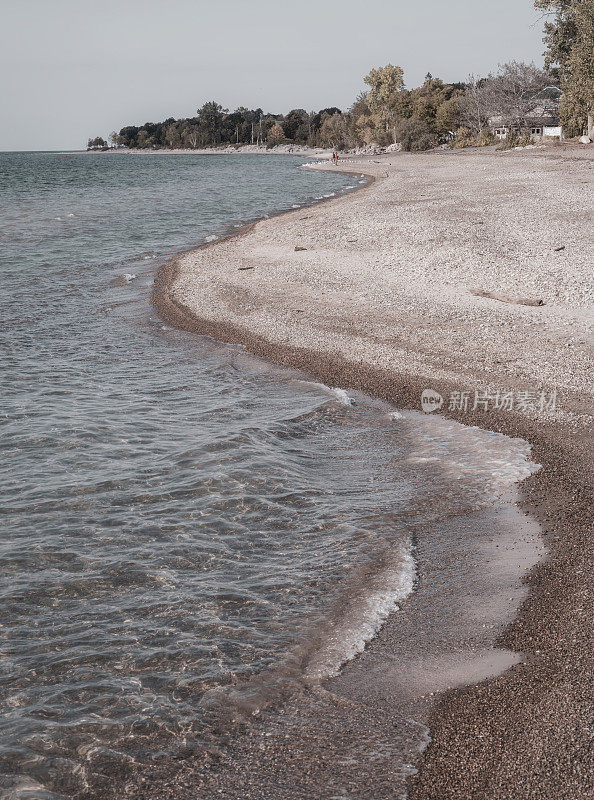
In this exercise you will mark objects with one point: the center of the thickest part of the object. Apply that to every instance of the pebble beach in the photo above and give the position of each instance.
(467, 273)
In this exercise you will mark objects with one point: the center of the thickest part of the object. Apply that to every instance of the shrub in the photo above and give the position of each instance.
(515, 140)
(509, 142)
(485, 138)
(414, 135)
(464, 138)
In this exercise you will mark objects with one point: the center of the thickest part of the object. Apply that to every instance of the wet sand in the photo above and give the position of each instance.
(382, 300)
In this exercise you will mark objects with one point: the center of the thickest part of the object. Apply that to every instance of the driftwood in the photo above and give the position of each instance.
(297, 249)
(558, 249)
(519, 301)
(241, 269)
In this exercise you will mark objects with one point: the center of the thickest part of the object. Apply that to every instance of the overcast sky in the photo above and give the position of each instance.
(73, 69)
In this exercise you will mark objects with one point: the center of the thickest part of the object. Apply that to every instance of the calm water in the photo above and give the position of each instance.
(178, 519)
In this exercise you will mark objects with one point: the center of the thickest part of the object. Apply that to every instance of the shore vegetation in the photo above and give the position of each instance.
(389, 113)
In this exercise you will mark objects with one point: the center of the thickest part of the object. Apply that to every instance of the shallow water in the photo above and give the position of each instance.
(185, 528)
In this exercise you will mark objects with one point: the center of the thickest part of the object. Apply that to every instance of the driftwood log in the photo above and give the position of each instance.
(519, 301)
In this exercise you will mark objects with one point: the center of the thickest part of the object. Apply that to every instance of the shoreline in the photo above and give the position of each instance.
(551, 626)
(244, 149)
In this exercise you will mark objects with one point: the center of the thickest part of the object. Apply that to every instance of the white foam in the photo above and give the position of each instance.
(211, 238)
(129, 276)
(365, 616)
(492, 463)
(338, 394)
(341, 395)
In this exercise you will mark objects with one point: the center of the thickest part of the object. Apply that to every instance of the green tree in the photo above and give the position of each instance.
(447, 116)
(295, 122)
(144, 140)
(172, 136)
(579, 82)
(569, 36)
(97, 143)
(210, 122)
(276, 135)
(333, 132)
(383, 96)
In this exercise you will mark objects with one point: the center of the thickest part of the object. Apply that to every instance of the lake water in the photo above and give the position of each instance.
(180, 521)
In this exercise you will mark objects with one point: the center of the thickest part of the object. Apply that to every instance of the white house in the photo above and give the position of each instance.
(540, 123)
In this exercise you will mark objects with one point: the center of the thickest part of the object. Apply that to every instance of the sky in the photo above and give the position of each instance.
(74, 69)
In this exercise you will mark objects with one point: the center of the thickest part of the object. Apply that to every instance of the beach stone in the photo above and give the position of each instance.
(586, 140)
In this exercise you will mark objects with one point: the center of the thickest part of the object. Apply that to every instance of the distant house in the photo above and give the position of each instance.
(541, 122)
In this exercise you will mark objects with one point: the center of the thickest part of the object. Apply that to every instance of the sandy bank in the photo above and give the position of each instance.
(387, 295)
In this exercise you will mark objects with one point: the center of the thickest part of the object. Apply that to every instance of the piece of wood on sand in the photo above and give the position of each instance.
(503, 298)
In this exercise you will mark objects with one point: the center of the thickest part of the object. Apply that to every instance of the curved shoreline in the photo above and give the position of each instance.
(483, 735)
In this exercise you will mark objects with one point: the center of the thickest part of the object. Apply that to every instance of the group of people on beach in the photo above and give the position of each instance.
(335, 158)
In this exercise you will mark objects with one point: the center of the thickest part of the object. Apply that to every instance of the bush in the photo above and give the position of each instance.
(509, 142)
(464, 138)
(485, 138)
(515, 140)
(414, 135)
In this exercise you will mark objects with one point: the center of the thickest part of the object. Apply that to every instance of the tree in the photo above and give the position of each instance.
(382, 99)
(144, 140)
(447, 117)
(276, 135)
(295, 122)
(333, 132)
(436, 104)
(510, 95)
(569, 36)
(578, 83)
(97, 143)
(172, 136)
(474, 105)
(210, 122)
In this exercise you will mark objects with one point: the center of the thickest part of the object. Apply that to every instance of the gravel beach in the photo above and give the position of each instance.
(468, 273)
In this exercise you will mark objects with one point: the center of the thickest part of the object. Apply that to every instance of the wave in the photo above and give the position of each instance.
(339, 394)
(358, 618)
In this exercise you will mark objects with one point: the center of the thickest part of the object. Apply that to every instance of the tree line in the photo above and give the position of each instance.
(419, 118)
